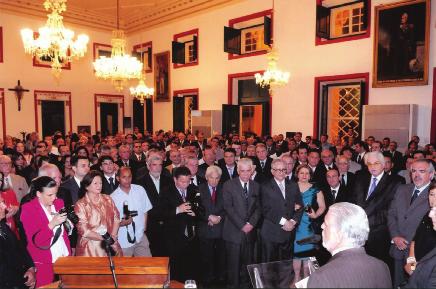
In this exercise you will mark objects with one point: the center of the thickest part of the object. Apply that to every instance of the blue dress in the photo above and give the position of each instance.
(304, 229)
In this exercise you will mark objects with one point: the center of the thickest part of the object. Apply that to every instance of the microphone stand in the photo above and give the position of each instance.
(111, 264)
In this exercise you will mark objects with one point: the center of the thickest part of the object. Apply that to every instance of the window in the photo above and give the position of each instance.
(185, 49)
(248, 35)
(347, 21)
(144, 53)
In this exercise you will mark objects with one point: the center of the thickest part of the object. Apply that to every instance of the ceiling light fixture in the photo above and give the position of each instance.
(54, 41)
(120, 67)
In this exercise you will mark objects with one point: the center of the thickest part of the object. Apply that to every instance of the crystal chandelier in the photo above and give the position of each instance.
(55, 42)
(141, 92)
(273, 76)
(120, 67)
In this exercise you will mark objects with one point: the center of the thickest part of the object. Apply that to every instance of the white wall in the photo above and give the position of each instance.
(294, 36)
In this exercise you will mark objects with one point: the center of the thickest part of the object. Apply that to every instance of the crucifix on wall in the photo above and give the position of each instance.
(19, 91)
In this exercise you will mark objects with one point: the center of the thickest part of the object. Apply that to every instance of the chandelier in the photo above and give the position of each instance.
(141, 92)
(273, 76)
(55, 42)
(120, 67)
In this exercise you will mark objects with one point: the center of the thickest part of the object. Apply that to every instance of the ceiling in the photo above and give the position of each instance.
(135, 15)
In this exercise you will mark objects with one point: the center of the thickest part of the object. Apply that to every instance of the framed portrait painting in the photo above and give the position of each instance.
(401, 44)
(162, 76)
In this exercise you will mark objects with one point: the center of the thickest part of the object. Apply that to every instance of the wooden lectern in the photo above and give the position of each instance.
(94, 272)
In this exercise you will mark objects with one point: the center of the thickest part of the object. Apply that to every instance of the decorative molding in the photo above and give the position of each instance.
(3, 100)
(132, 19)
(64, 96)
(317, 82)
(108, 98)
(1, 44)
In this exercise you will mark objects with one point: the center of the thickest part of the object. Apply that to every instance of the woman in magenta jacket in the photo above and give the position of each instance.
(47, 239)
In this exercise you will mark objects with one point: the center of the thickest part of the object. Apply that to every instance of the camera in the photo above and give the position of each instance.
(127, 213)
(69, 210)
(196, 205)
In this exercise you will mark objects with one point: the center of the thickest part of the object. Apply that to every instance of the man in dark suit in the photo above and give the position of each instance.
(409, 206)
(209, 158)
(210, 226)
(345, 230)
(191, 163)
(263, 161)
(125, 160)
(155, 182)
(228, 165)
(360, 148)
(318, 169)
(374, 191)
(270, 146)
(179, 234)
(138, 156)
(389, 165)
(290, 163)
(109, 182)
(279, 199)
(241, 203)
(80, 166)
(334, 192)
(397, 157)
(346, 177)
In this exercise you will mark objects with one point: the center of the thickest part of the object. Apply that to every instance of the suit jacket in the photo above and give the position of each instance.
(343, 195)
(376, 208)
(425, 273)
(403, 218)
(275, 207)
(266, 171)
(354, 167)
(204, 230)
(237, 214)
(106, 186)
(350, 180)
(351, 268)
(155, 214)
(319, 176)
(226, 176)
(72, 188)
(35, 223)
(260, 178)
(19, 185)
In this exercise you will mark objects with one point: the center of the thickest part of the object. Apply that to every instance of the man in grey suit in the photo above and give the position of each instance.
(345, 231)
(406, 211)
(279, 199)
(241, 204)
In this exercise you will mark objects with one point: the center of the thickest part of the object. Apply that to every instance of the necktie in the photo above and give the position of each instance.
(245, 190)
(288, 178)
(213, 197)
(6, 186)
(343, 180)
(126, 164)
(359, 158)
(192, 181)
(183, 195)
(414, 196)
(111, 184)
(262, 164)
(334, 194)
(282, 189)
(372, 188)
(230, 172)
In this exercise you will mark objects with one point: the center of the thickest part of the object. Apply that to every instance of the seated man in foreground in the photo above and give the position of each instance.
(345, 231)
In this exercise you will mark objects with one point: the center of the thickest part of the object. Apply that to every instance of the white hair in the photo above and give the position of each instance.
(378, 155)
(213, 169)
(351, 221)
(245, 162)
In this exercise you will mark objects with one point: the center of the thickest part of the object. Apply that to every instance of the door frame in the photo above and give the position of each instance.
(231, 88)
(108, 98)
(185, 93)
(65, 96)
(332, 78)
(3, 111)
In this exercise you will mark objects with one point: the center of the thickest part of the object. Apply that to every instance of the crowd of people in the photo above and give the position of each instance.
(215, 205)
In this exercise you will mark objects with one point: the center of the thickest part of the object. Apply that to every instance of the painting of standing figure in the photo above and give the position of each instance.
(401, 44)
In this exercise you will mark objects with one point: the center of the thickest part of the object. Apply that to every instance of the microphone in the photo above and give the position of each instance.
(309, 240)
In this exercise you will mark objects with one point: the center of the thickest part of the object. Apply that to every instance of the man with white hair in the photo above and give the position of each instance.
(374, 190)
(345, 231)
(15, 182)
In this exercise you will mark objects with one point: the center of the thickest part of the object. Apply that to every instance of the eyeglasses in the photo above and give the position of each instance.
(280, 170)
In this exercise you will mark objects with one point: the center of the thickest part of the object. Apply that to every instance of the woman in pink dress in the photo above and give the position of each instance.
(47, 239)
(98, 216)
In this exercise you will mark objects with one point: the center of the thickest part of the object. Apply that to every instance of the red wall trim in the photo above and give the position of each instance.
(230, 78)
(141, 45)
(318, 40)
(96, 102)
(234, 21)
(433, 111)
(316, 86)
(183, 34)
(2, 93)
(1, 44)
(70, 110)
(189, 91)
